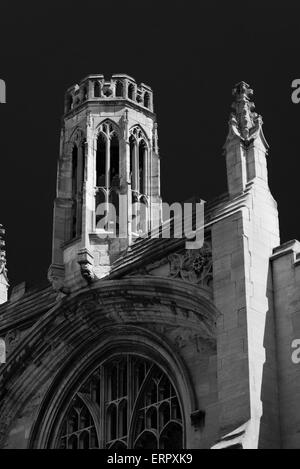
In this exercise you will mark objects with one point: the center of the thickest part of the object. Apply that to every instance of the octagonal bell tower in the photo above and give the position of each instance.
(108, 173)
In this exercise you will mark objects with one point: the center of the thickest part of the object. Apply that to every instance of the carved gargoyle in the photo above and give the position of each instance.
(87, 272)
(57, 282)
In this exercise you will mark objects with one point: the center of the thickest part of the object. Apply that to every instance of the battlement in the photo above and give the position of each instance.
(119, 87)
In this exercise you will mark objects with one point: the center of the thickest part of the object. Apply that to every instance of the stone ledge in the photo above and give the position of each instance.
(290, 247)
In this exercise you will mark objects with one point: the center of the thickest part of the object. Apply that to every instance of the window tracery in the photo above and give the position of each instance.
(127, 402)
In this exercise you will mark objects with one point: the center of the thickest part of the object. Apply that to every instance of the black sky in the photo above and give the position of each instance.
(189, 53)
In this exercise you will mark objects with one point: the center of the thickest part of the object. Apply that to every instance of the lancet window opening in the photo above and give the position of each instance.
(107, 170)
(140, 179)
(78, 176)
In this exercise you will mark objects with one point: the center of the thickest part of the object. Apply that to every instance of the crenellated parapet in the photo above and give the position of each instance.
(120, 87)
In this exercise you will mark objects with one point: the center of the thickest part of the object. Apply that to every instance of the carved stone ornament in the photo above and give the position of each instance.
(194, 265)
(3, 269)
(244, 122)
(87, 271)
(56, 281)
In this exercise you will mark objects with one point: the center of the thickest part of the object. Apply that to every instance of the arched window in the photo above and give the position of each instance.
(131, 91)
(147, 100)
(119, 89)
(137, 402)
(96, 89)
(107, 156)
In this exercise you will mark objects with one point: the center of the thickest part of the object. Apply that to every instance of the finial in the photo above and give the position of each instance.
(3, 269)
(243, 110)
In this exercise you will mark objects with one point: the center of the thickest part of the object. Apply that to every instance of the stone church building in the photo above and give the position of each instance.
(138, 341)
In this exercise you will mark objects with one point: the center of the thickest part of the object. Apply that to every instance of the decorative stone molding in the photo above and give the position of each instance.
(94, 312)
(85, 260)
(194, 265)
(56, 278)
(3, 269)
(244, 123)
(87, 271)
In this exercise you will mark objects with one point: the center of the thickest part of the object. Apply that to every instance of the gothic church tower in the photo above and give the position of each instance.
(108, 149)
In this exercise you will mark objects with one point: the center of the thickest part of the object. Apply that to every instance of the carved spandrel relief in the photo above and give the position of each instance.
(194, 265)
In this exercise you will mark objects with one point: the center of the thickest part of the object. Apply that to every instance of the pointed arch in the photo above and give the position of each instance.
(108, 127)
(171, 436)
(76, 137)
(139, 133)
(124, 416)
(131, 91)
